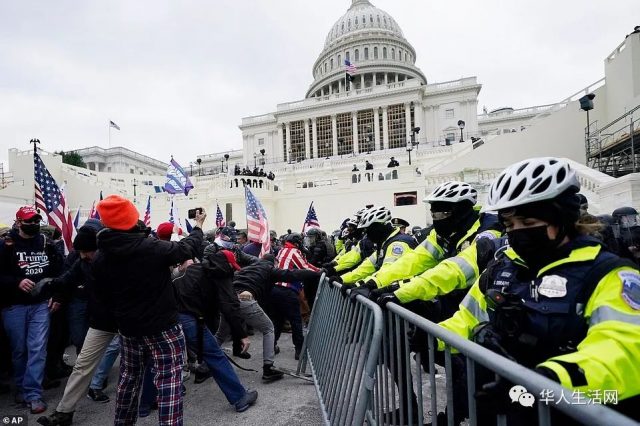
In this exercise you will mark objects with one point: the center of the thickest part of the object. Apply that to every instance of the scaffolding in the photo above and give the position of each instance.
(615, 148)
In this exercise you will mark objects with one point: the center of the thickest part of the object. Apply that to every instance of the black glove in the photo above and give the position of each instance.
(362, 289)
(329, 269)
(344, 289)
(379, 292)
(548, 373)
(386, 298)
(336, 278)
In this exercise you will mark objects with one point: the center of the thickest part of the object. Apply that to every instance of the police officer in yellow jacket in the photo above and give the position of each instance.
(456, 225)
(555, 301)
(357, 247)
(390, 242)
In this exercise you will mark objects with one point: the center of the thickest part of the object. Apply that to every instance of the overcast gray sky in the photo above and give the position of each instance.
(178, 76)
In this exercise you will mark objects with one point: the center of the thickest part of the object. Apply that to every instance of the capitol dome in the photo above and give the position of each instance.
(370, 39)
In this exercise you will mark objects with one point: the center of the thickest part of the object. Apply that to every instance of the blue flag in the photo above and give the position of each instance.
(188, 226)
(177, 179)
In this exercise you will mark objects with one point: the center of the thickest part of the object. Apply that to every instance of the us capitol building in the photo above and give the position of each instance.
(388, 109)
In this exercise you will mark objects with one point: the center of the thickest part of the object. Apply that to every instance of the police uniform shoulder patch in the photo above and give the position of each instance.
(630, 288)
(486, 234)
(397, 249)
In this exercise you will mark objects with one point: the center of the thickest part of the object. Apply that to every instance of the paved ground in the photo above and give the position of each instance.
(289, 401)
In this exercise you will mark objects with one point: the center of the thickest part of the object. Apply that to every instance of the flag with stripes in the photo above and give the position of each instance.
(219, 218)
(147, 213)
(257, 222)
(51, 201)
(187, 224)
(76, 220)
(351, 68)
(114, 125)
(311, 221)
(177, 179)
(93, 213)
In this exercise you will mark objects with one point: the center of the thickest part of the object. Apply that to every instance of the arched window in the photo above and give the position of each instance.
(346, 56)
(393, 53)
(378, 20)
(371, 18)
(406, 58)
(356, 21)
(325, 67)
(339, 60)
(375, 53)
(366, 53)
(384, 53)
(399, 54)
(349, 24)
(343, 27)
(331, 63)
(357, 55)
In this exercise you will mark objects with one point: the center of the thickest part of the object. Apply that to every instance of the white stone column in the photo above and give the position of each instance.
(385, 127)
(334, 134)
(362, 81)
(396, 77)
(307, 140)
(288, 136)
(419, 112)
(277, 146)
(314, 137)
(407, 120)
(386, 78)
(436, 124)
(341, 85)
(354, 121)
(376, 129)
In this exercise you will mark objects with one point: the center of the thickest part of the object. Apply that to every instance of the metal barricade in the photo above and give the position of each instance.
(400, 385)
(342, 348)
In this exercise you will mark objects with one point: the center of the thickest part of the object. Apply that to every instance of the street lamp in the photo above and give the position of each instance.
(262, 151)
(226, 159)
(461, 126)
(199, 161)
(255, 164)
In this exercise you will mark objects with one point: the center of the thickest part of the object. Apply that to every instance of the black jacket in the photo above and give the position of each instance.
(81, 272)
(205, 290)
(133, 271)
(260, 276)
(33, 258)
(318, 254)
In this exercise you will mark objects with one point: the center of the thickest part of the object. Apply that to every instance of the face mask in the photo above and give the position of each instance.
(532, 244)
(308, 242)
(445, 227)
(224, 244)
(377, 233)
(30, 229)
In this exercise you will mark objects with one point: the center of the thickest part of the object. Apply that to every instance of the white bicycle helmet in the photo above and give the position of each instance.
(360, 213)
(375, 215)
(453, 192)
(528, 181)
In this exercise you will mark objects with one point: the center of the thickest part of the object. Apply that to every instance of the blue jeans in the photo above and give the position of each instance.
(221, 369)
(109, 358)
(78, 322)
(28, 329)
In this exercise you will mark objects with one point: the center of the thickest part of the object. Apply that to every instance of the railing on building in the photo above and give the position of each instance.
(362, 364)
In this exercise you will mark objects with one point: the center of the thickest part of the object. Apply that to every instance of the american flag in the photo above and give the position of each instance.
(219, 218)
(311, 220)
(51, 200)
(93, 213)
(147, 213)
(114, 125)
(351, 68)
(257, 223)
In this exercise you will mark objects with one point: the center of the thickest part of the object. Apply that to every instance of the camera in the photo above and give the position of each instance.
(193, 212)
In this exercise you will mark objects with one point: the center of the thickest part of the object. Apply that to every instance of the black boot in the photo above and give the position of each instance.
(270, 374)
(237, 351)
(57, 419)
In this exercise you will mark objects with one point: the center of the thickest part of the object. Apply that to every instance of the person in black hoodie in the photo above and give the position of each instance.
(204, 291)
(133, 271)
(253, 284)
(101, 333)
(26, 258)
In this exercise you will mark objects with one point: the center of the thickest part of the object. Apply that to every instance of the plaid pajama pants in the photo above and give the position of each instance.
(166, 351)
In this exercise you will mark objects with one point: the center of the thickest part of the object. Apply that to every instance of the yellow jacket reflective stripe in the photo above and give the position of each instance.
(609, 353)
(457, 272)
(426, 256)
(394, 251)
(472, 311)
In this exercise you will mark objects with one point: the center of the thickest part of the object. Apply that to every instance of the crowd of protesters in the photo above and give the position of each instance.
(163, 301)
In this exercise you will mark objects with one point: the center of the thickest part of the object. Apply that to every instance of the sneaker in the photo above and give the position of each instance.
(57, 419)
(200, 377)
(96, 395)
(144, 411)
(246, 401)
(37, 406)
(270, 374)
(243, 355)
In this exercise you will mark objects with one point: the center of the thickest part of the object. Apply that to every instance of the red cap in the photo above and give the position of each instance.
(27, 212)
(164, 231)
(231, 258)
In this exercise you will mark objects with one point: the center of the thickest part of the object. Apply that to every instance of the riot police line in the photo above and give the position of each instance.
(527, 279)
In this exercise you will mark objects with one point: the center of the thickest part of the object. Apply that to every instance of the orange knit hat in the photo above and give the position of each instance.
(118, 213)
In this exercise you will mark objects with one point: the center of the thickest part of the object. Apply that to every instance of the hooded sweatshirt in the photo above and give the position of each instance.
(132, 271)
